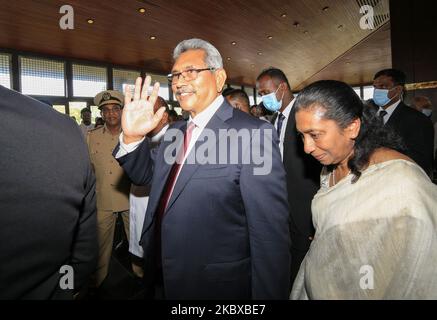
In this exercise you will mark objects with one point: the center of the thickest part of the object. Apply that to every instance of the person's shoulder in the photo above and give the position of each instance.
(398, 166)
(96, 130)
(93, 133)
(243, 120)
(381, 155)
(413, 114)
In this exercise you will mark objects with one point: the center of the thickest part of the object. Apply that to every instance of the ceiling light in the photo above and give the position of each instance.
(260, 53)
(233, 43)
(90, 21)
(142, 10)
(152, 37)
(269, 37)
(284, 15)
(228, 58)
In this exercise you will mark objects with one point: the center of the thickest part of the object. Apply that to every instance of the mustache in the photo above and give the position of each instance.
(185, 90)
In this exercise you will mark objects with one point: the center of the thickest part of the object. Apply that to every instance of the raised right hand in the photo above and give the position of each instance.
(138, 117)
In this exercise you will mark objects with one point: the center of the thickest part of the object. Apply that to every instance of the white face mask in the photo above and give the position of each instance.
(270, 101)
(427, 112)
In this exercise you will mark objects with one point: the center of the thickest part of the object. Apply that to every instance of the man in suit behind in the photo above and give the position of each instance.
(415, 129)
(47, 202)
(303, 171)
(218, 229)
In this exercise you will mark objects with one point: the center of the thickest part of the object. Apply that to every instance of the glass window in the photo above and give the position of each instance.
(249, 92)
(368, 93)
(5, 70)
(163, 85)
(42, 77)
(357, 91)
(95, 113)
(88, 81)
(60, 108)
(124, 77)
(75, 108)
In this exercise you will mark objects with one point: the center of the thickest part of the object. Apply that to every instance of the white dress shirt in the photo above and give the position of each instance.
(389, 111)
(286, 114)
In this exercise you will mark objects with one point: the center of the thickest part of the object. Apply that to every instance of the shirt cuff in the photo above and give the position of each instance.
(127, 148)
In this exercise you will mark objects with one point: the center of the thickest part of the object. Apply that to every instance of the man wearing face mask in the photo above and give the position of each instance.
(303, 171)
(414, 127)
(423, 104)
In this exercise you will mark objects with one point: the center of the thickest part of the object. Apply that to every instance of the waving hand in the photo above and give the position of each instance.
(138, 117)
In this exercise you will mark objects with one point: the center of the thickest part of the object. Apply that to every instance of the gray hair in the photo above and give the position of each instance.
(213, 58)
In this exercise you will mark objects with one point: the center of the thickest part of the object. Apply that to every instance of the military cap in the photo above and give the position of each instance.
(109, 97)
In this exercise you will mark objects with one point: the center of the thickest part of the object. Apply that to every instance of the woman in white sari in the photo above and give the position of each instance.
(376, 211)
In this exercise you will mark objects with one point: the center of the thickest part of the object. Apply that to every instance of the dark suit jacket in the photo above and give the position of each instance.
(417, 132)
(47, 201)
(225, 233)
(303, 182)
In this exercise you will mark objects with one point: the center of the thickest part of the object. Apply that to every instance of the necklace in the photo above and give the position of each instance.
(333, 176)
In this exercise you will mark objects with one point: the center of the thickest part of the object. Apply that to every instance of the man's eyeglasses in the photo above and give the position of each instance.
(189, 74)
(112, 110)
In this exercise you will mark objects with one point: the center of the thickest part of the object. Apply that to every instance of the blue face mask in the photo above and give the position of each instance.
(271, 103)
(380, 97)
(427, 112)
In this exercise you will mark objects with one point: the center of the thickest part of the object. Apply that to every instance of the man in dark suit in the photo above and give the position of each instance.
(303, 171)
(47, 202)
(217, 228)
(415, 129)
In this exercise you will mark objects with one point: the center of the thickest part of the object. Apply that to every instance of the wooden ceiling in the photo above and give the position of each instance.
(359, 64)
(307, 44)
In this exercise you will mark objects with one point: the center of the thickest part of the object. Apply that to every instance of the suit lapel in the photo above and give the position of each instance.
(160, 176)
(274, 118)
(218, 126)
(290, 132)
(396, 113)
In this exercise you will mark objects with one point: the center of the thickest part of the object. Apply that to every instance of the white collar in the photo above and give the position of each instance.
(390, 109)
(202, 118)
(287, 110)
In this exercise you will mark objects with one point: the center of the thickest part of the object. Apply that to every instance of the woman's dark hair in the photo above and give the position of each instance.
(343, 105)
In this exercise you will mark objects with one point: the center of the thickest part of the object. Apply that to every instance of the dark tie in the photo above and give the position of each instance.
(281, 118)
(381, 115)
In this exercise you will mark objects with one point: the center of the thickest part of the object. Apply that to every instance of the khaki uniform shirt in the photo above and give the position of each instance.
(112, 184)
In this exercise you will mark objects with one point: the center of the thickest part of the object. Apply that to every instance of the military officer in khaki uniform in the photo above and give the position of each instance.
(112, 184)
